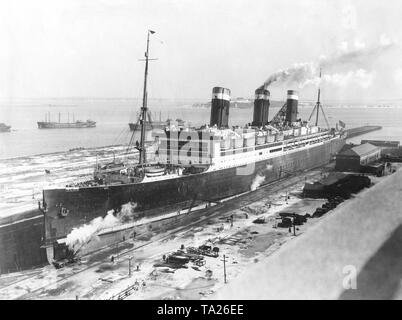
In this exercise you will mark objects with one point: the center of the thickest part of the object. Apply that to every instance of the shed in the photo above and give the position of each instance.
(353, 158)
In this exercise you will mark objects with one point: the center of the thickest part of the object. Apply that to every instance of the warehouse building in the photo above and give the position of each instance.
(355, 158)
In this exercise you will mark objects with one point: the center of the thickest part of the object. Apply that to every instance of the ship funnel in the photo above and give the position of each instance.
(291, 109)
(261, 107)
(220, 107)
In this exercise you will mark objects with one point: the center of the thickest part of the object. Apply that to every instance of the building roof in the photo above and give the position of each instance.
(331, 179)
(361, 150)
(347, 146)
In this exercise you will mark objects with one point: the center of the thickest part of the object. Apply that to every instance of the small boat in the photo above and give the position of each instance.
(4, 128)
(154, 172)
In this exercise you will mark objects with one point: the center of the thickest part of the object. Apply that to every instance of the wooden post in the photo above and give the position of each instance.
(224, 267)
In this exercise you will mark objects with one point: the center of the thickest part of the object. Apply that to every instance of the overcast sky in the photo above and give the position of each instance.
(91, 48)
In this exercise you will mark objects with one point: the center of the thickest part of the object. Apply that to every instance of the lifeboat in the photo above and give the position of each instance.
(154, 171)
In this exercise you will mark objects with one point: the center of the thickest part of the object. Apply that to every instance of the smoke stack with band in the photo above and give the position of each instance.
(220, 107)
(291, 110)
(261, 107)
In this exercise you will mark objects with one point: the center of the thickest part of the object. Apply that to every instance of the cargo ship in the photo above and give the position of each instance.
(47, 124)
(186, 167)
(4, 128)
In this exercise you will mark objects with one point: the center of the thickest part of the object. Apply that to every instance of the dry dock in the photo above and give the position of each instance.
(21, 182)
(364, 233)
(247, 246)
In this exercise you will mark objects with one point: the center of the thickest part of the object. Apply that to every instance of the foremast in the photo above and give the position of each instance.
(319, 106)
(144, 108)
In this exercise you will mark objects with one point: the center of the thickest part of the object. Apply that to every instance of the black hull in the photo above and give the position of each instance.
(85, 204)
(20, 242)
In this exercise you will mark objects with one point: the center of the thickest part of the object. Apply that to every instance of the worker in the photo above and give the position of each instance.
(164, 257)
(112, 259)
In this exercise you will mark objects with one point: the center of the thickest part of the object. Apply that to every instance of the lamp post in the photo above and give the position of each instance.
(129, 266)
(224, 267)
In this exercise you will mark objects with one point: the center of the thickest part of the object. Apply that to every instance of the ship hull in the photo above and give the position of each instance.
(158, 197)
(74, 125)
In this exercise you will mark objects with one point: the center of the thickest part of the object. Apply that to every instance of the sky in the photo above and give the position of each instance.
(91, 48)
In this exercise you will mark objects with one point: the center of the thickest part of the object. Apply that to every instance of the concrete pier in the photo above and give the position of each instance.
(354, 132)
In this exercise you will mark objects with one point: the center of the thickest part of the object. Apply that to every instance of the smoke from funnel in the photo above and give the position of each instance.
(304, 74)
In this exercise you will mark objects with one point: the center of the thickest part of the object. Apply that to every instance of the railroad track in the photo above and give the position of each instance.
(213, 212)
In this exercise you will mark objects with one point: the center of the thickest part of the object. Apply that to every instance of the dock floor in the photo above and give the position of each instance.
(362, 236)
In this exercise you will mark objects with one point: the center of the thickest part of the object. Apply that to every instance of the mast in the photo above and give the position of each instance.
(318, 101)
(144, 107)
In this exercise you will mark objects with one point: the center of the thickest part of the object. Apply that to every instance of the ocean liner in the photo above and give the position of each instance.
(183, 168)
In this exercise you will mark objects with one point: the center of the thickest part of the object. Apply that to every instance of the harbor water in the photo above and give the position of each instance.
(113, 115)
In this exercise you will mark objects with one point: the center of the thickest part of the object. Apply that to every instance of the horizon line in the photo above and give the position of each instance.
(189, 99)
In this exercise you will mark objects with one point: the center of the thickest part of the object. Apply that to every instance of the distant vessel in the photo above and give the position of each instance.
(47, 124)
(157, 124)
(240, 102)
(4, 128)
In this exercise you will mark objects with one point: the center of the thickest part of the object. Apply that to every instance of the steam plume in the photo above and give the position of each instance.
(357, 59)
(82, 235)
(257, 182)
